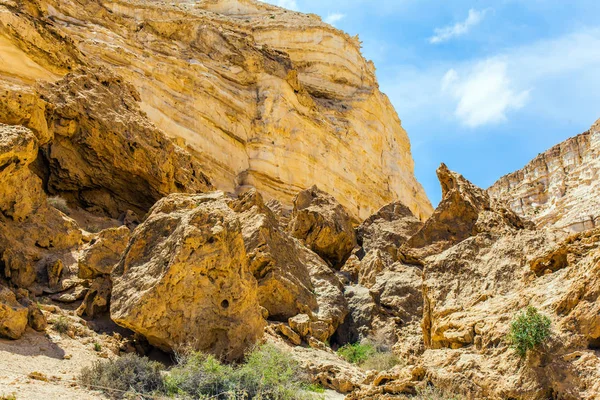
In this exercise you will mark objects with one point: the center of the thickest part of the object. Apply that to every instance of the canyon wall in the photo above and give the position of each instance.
(260, 96)
(559, 187)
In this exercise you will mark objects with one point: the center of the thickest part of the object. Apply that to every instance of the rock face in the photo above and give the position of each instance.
(490, 267)
(244, 85)
(105, 153)
(384, 296)
(323, 225)
(284, 285)
(560, 187)
(101, 255)
(464, 211)
(185, 280)
(13, 316)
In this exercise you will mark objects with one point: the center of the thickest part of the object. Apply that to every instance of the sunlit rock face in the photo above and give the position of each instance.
(559, 187)
(261, 96)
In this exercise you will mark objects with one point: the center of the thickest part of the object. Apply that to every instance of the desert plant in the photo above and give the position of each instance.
(267, 373)
(356, 353)
(61, 324)
(271, 374)
(59, 203)
(380, 361)
(528, 330)
(433, 393)
(97, 346)
(198, 374)
(128, 374)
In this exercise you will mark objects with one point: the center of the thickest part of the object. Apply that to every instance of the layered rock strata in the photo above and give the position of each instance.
(261, 96)
(560, 186)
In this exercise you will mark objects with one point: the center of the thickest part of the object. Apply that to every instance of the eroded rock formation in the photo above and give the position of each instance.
(184, 279)
(560, 186)
(244, 85)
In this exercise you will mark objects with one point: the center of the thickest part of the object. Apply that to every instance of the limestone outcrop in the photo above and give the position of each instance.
(323, 225)
(284, 284)
(184, 279)
(384, 294)
(474, 287)
(105, 153)
(559, 187)
(261, 96)
(464, 211)
(13, 316)
(100, 256)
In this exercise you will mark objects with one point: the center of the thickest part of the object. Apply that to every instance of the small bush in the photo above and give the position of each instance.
(59, 203)
(198, 374)
(357, 353)
(270, 373)
(97, 346)
(380, 361)
(266, 374)
(369, 356)
(315, 388)
(433, 393)
(129, 373)
(61, 324)
(528, 330)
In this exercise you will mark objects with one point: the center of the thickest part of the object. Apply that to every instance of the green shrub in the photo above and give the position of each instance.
(62, 324)
(97, 346)
(528, 330)
(356, 353)
(368, 356)
(59, 203)
(197, 374)
(267, 373)
(380, 361)
(127, 374)
(313, 387)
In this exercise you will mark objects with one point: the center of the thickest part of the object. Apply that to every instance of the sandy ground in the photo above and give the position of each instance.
(57, 357)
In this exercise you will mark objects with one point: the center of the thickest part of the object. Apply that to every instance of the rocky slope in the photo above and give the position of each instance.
(119, 121)
(259, 95)
(559, 187)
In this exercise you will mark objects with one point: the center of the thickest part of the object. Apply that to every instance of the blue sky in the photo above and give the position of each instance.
(483, 86)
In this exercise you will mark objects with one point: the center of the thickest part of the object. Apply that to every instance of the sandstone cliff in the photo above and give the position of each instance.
(560, 187)
(261, 96)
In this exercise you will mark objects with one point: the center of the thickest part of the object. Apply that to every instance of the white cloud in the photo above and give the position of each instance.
(458, 29)
(485, 94)
(552, 79)
(333, 18)
(289, 4)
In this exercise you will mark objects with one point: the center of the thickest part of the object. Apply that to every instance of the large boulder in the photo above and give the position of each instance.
(103, 252)
(184, 279)
(30, 230)
(13, 316)
(323, 225)
(284, 283)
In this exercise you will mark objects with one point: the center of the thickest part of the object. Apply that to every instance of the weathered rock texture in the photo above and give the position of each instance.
(385, 299)
(323, 225)
(184, 279)
(183, 265)
(560, 187)
(476, 277)
(260, 95)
